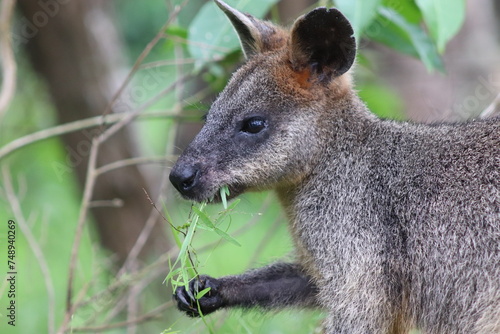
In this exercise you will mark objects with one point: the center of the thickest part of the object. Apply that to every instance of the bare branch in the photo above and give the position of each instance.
(143, 56)
(133, 306)
(87, 195)
(114, 203)
(132, 115)
(140, 242)
(175, 62)
(32, 242)
(132, 162)
(178, 39)
(76, 126)
(8, 62)
(145, 317)
(119, 305)
(161, 215)
(127, 280)
(270, 233)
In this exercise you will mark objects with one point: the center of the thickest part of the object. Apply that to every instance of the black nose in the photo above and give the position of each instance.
(184, 178)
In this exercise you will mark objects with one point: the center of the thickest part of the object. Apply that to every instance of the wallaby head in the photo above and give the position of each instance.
(263, 130)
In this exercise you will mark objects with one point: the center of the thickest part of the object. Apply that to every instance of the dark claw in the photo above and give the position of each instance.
(185, 302)
(210, 302)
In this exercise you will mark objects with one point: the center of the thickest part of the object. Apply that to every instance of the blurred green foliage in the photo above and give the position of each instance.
(198, 36)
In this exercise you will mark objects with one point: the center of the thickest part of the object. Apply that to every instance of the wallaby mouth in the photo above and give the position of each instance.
(192, 183)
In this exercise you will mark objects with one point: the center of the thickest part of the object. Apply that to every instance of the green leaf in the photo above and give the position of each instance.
(175, 232)
(443, 18)
(201, 293)
(408, 9)
(360, 13)
(206, 228)
(396, 32)
(227, 237)
(205, 220)
(381, 100)
(224, 213)
(170, 331)
(211, 34)
(170, 277)
(187, 241)
(224, 191)
(178, 31)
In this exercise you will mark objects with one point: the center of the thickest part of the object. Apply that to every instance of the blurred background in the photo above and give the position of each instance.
(98, 97)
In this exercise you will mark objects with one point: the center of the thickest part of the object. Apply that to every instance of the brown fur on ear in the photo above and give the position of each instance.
(256, 36)
(303, 77)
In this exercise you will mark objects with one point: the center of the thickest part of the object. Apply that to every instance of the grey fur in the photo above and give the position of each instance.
(397, 225)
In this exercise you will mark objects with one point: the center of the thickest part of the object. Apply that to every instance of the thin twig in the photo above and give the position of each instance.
(119, 304)
(161, 214)
(127, 280)
(32, 242)
(143, 56)
(114, 203)
(198, 96)
(140, 242)
(145, 317)
(87, 195)
(270, 233)
(77, 126)
(9, 67)
(178, 39)
(132, 162)
(175, 62)
(132, 115)
(133, 305)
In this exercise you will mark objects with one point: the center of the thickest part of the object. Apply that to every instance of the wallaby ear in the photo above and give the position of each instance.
(323, 41)
(256, 36)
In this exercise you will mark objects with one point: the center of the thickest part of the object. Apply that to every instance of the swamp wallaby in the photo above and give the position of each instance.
(396, 225)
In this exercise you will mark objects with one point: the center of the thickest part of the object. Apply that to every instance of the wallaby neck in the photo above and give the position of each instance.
(345, 124)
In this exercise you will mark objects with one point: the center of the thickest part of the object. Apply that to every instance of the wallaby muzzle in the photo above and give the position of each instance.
(185, 178)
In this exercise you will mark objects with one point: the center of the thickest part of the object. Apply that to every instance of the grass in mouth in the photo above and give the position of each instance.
(185, 267)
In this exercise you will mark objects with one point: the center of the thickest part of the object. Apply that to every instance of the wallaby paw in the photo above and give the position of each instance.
(208, 303)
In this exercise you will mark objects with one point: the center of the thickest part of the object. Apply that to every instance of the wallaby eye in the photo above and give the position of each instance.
(253, 124)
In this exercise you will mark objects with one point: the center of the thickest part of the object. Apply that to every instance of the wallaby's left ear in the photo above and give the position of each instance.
(323, 41)
(256, 36)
